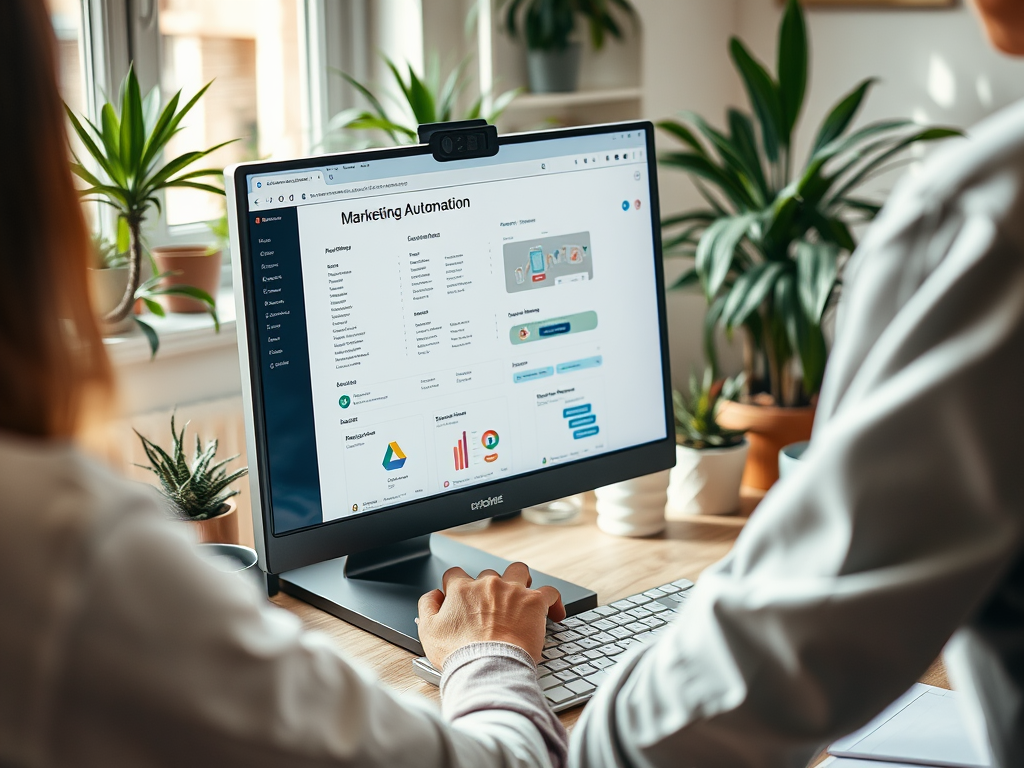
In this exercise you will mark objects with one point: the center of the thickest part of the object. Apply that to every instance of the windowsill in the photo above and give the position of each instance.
(180, 335)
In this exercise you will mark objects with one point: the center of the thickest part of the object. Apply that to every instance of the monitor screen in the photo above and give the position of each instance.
(423, 328)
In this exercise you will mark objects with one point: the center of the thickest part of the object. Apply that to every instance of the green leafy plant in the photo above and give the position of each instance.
(106, 255)
(127, 147)
(430, 99)
(549, 25)
(697, 415)
(196, 492)
(770, 244)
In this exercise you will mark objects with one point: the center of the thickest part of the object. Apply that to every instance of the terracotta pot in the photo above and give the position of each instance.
(222, 529)
(196, 266)
(107, 286)
(769, 429)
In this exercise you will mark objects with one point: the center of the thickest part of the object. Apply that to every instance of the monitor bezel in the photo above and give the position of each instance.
(281, 552)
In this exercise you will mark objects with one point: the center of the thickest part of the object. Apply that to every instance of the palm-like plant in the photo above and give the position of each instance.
(549, 24)
(430, 99)
(196, 492)
(128, 148)
(770, 244)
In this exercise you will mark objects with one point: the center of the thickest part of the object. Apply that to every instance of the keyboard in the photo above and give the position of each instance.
(580, 650)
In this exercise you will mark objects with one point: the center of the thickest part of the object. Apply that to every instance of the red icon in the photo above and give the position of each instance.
(257, 219)
(636, 204)
(538, 278)
(446, 483)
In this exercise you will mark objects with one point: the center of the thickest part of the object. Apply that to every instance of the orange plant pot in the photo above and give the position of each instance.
(193, 265)
(222, 529)
(769, 429)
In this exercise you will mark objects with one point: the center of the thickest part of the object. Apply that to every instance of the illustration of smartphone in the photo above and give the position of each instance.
(537, 260)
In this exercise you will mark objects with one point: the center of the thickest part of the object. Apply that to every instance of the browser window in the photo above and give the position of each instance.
(441, 326)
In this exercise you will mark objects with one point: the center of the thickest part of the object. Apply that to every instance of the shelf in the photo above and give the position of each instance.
(531, 101)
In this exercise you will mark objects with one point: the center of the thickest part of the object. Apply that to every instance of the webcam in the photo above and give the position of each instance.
(461, 140)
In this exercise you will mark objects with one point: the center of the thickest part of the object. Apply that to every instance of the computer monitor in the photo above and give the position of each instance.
(425, 344)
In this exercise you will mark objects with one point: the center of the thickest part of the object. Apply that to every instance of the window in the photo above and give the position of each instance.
(252, 53)
(66, 16)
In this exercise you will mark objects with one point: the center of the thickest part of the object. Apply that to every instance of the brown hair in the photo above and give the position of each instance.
(52, 358)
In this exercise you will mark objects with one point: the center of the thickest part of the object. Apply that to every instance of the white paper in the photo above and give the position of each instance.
(925, 726)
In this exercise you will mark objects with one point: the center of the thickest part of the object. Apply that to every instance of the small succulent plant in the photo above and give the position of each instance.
(697, 415)
(196, 492)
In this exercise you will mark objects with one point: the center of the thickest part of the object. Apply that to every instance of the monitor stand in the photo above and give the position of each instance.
(378, 590)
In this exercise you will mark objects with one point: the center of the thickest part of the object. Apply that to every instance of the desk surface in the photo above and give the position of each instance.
(581, 553)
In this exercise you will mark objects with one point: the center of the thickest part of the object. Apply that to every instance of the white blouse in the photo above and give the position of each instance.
(904, 525)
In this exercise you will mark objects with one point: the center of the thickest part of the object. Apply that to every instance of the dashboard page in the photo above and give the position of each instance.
(459, 326)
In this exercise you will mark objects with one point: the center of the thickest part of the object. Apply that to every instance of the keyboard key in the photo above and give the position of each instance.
(597, 678)
(602, 625)
(602, 663)
(584, 669)
(558, 694)
(683, 584)
(620, 632)
(604, 637)
(638, 613)
(554, 626)
(548, 681)
(614, 649)
(652, 622)
(580, 686)
(550, 642)
(635, 628)
(621, 619)
(587, 630)
(552, 653)
(605, 610)
(588, 643)
(626, 642)
(570, 648)
(669, 589)
(565, 675)
(575, 659)
(588, 616)
(657, 606)
(567, 636)
(596, 653)
(622, 605)
(639, 599)
(556, 665)
(655, 593)
(572, 622)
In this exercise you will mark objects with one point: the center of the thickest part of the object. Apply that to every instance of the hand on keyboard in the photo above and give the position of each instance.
(488, 608)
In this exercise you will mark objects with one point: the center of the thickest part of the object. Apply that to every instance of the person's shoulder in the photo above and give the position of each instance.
(51, 485)
(982, 174)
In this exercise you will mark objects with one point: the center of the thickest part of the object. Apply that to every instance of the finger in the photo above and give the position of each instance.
(430, 604)
(488, 572)
(452, 574)
(556, 611)
(518, 573)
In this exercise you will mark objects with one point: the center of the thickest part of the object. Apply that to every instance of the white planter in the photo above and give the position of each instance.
(707, 482)
(633, 507)
(107, 287)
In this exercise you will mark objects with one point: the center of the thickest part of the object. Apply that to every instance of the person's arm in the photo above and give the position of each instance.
(853, 573)
(168, 662)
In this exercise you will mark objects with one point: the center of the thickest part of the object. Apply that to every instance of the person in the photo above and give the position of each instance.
(903, 528)
(118, 645)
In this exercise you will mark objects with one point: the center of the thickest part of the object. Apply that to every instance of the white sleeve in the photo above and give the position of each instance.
(168, 662)
(854, 572)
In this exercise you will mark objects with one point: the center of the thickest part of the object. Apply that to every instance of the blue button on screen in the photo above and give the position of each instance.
(579, 434)
(576, 410)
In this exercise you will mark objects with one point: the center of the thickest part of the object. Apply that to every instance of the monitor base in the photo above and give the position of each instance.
(379, 591)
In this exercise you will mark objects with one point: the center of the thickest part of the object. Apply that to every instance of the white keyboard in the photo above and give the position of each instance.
(579, 650)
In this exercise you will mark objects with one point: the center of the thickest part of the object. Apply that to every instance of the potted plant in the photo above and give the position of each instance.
(107, 281)
(430, 99)
(709, 458)
(199, 493)
(770, 245)
(549, 29)
(127, 149)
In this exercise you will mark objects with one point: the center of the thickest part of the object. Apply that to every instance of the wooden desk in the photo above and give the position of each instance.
(614, 567)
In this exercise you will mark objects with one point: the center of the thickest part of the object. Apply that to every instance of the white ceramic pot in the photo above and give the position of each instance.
(107, 287)
(633, 507)
(707, 481)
